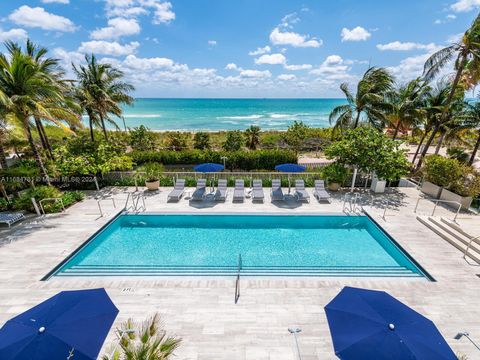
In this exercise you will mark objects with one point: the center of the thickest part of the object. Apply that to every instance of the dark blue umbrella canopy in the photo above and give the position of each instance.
(71, 322)
(209, 168)
(290, 168)
(367, 324)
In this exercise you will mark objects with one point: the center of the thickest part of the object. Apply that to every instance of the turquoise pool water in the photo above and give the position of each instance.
(267, 245)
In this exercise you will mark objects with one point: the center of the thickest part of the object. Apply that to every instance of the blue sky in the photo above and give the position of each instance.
(243, 48)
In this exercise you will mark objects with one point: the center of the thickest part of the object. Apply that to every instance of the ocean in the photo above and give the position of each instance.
(227, 114)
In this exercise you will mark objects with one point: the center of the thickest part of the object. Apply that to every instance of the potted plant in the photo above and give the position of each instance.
(439, 172)
(152, 175)
(335, 174)
(464, 188)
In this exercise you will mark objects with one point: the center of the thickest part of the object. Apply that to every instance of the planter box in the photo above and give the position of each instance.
(431, 190)
(378, 186)
(152, 185)
(466, 201)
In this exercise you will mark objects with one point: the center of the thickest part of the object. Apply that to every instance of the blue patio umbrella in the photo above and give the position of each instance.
(290, 168)
(368, 324)
(209, 168)
(70, 325)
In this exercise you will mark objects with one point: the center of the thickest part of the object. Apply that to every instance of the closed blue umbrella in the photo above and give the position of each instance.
(368, 324)
(290, 168)
(70, 325)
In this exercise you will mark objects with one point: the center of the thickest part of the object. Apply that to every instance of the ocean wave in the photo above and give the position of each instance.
(244, 117)
(142, 116)
(282, 116)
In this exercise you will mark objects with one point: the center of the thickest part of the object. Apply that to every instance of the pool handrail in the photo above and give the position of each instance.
(237, 282)
(436, 201)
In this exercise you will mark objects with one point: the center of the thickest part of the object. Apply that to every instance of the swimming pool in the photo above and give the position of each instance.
(261, 245)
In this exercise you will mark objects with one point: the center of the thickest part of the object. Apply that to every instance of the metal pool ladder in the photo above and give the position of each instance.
(237, 282)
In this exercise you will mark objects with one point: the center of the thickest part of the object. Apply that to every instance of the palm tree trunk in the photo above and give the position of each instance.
(103, 127)
(440, 141)
(43, 138)
(419, 146)
(427, 145)
(475, 149)
(90, 124)
(357, 119)
(455, 82)
(395, 133)
(36, 154)
(3, 154)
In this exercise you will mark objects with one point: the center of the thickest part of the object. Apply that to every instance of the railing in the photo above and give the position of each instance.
(126, 207)
(437, 201)
(50, 199)
(352, 204)
(100, 206)
(474, 239)
(237, 282)
(142, 207)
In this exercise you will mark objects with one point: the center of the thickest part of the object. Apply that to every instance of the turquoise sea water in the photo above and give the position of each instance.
(199, 244)
(227, 114)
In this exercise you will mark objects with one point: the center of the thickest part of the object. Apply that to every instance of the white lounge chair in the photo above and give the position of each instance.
(178, 190)
(320, 193)
(239, 191)
(257, 191)
(10, 218)
(276, 191)
(200, 191)
(221, 193)
(300, 192)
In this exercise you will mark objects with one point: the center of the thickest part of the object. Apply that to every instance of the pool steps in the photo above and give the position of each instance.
(453, 234)
(394, 271)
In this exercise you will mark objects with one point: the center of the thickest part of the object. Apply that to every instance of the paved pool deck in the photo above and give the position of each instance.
(202, 310)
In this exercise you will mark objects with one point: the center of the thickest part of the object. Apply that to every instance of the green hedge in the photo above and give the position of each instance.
(237, 160)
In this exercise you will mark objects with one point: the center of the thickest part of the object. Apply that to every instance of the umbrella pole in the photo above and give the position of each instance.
(289, 187)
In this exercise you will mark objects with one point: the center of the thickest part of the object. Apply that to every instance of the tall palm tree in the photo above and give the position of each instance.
(437, 117)
(252, 134)
(101, 92)
(26, 91)
(368, 101)
(466, 53)
(406, 105)
(472, 113)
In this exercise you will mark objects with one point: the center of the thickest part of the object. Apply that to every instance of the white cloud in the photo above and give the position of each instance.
(231, 66)
(117, 27)
(37, 17)
(333, 67)
(278, 37)
(255, 74)
(298, 67)
(448, 18)
(212, 42)
(465, 5)
(356, 34)
(112, 48)
(56, 1)
(406, 46)
(455, 38)
(162, 12)
(13, 35)
(260, 51)
(271, 59)
(286, 77)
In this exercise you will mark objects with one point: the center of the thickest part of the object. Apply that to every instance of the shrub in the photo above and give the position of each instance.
(296, 135)
(141, 138)
(152, 171)
(4, 204)
(177, 140)
(458, 153)
(441, 171)
(468, 183)
(201, 141)
(234, 141)
(242, 160)
(334, 173)
(23, 202)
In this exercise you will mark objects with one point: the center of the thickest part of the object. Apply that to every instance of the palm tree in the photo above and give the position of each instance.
(406, 105)
(3, 153)
(26, 91)
(369, 100)
(472, 113)
(437, 117)
(101, 92)
(252, 134)
(466, 53)
(149, 343)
